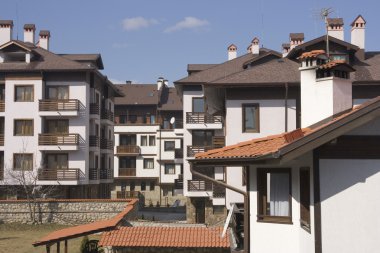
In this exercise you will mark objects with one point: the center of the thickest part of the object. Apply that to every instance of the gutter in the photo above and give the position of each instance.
(232, 188)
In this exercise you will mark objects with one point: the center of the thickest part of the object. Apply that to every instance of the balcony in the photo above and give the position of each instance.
(106, 174)
(199, 185)
(107, 115)
(94, 174)
(1, 139)
(128, 150)
(127, 172)
(192, 150)
(59, 107)
(106, 144)
(178, 183)
(2, 106)
(94, 141)
(201, 120)
(128, 194)
(58, 141)
(59, 175)
(94, 108)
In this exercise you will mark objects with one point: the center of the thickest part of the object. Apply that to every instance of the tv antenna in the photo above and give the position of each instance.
(325, 12)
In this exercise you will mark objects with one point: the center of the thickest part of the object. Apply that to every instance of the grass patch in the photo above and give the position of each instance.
(18, 238)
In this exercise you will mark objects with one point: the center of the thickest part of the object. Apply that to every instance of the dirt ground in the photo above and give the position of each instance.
(18, 238)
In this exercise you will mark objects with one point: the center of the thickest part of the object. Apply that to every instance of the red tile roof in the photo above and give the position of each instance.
(81, 230)
(311, 54)
(171, 237)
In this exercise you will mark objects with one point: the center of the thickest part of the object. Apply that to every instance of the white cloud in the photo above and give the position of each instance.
(187, 23)
(120, 45)
(118, 81)
(137, 23)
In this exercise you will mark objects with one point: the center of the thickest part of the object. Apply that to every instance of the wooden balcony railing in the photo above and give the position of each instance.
(178, 183)
(192, 150)
(59, 105)
(202, 118)
(94, 108)
(106, 174)
(128, 194)
(94, 141)
(127, 172)
(218, 142)
(58, 139)
(107, 114)
(199, 185)
(94, 174)
(106, 144)
(2, 106)
(131, 150)
(54, 174)
(1, 139)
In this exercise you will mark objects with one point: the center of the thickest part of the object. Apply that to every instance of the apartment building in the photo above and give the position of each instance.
(252, 96)
(149, 144)
(56, 116)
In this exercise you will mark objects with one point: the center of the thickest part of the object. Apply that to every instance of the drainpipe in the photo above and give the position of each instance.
(232, 188)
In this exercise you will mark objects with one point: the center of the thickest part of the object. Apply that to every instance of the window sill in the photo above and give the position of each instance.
(305, 226)
(275, 219)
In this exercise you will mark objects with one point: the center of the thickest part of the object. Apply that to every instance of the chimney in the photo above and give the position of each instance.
(358, 32)
(160, 82)
(255, 48)
(335, 28)
(6, 27)
(128, 82)
(29, 31)
(44, 39)
(285, 49)
(296, 39)
(232, 51)
(326, 88)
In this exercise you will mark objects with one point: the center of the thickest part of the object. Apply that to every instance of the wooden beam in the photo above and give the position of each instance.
(47, 248)
(58, 247)
(66, 248)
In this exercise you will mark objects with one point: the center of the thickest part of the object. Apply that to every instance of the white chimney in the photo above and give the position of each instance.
(255, 48)
(160, 82)
(166, 83)
(335, 28)
(326, 88)
(44, 39)
(232, 51)
(6, 27)
(296, 39)
(285, 49)
(358, 32)
(29, 31)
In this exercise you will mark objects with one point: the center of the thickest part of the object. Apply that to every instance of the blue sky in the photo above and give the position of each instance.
(144, 39)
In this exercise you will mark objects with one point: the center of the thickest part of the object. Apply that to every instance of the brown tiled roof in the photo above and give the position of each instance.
(285, 45)
(359, 16)
(6, 22)
(297, 36)
(95, 59)
(368, 69)
(335, 21)
(169, 237)
(81, 230)
(45, 33)
(170, 101)
(268, 146)
(29, 26)
(311, 54)
(335, 64)
(199, 67)
(232, 46)
(137, 94)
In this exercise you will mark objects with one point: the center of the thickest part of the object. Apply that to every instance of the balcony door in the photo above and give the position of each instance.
(126, 140)
(57, 92)
(57, 126)
(200, 210)
(127, 162)
(198, 105)
(57, 161)
(202, 138)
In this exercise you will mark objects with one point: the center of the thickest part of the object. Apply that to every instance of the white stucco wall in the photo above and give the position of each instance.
(350, 205)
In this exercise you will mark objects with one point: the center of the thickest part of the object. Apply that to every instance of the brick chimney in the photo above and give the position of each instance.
(6, 28)
(232, 51)
(29, 33)
(44, 39)
(296, 39)
(358, 32)
(335, 28)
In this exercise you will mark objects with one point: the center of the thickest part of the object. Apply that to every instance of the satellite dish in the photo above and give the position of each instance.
(172, 120)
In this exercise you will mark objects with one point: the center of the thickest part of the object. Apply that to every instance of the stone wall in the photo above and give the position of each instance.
(211, 218)
(63, 211)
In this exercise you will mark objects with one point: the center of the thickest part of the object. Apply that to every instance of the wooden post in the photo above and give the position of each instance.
(66, 250)
(58, 247)
(47, 248)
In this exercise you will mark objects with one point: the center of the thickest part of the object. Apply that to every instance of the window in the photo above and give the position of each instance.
(122, 119)
(24, 93)
(57, 161)
(198, 105)
(58, 92)
(23, 127)
(143, 186)
(169, 145)
(57, 126)
(144, 140)
(132, 186)
(251, 118)
(2, 92)
(274, 195)
(169, 168)
(127, 162)
(218, 209)
(305, 198)
(148, 163)
(23, 161)
(127, 139)
(152, 185)
(202, 138)
(152, 140)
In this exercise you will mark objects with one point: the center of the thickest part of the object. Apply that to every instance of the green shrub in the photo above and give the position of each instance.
(83, 244)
